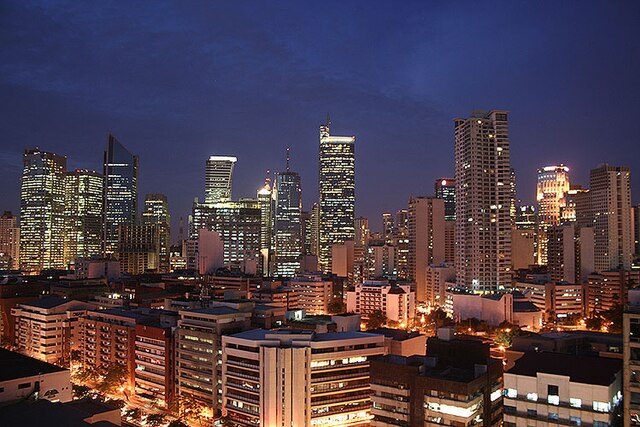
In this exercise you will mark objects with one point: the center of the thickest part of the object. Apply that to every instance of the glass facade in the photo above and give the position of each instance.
(288, 227)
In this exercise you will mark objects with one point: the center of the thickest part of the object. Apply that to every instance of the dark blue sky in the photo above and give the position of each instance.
(177, 82)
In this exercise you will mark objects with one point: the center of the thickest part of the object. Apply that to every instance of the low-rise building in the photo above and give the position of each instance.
(397, 302)
(313, 293)
(401, 342)
(609, 289)
(511, 307)
(298, 377)
(551, 389)
(558, 300)
(631, 364)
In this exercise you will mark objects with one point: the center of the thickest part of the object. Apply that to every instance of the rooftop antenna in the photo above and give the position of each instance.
(328, 119)
(288, 148)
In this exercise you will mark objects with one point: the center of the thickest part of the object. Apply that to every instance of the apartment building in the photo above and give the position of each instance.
(313, 293)
(397, 302)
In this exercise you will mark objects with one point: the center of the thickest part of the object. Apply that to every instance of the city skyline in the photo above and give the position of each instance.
(409, 107)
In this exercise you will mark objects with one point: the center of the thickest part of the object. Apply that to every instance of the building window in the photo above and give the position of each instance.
(532, 397)
(554, 416)
(511, 392)
(27, 385)
(575, 403)
(576, 421)
(532, 413)
(601, 406)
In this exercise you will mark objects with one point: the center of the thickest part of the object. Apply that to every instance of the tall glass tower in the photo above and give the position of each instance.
(120, 170)
(288, 226)
(337, 193)
(156, 212)
(42, 216)
(218, 179)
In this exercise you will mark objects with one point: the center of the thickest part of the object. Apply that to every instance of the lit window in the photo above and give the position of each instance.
(512, 392)
(576, 403)
(553, 400)
(601, 406)
(532, 397)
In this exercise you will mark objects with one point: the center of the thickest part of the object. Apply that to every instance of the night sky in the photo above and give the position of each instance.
(177, 82)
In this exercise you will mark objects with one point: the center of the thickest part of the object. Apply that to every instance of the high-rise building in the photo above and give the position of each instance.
(483, 201)
(635, 217)
(120, 170)
(288, 227)
(570, 254)
(362, 231)
(156, 212)
(611, 211)
(337, 192)
(83, 215)
(609, 290)
(315, 229)
(265, 199)
(9, 241)
(219, 179)
(426, 239)
(401, 242)
(445, 189)
(552, 186)
(388, 227)
(139, 248)
(298, 377)
(42, 211)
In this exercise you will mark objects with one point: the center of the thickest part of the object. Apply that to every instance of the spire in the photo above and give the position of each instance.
(288, 148)
(328, 120)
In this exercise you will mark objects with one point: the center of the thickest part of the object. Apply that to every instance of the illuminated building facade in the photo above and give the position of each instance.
(218, 178)
(611, 212)
(287, 224)
(42, 211)
(337, 193)
(138, 248)
(83, 215)
(552, 186)
(120, 171)
(314, 218)
(156, 212)
(265, 200)
(298, 377)
(483, 201)
(445, 189)
(401, 242)
(9, 242)
(388, 227)
(397, 302)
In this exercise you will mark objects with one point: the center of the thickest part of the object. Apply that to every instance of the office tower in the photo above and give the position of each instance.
(457, 383)
(315, 229)
(483, 200)
(570, 253)
(362, 231)
(239, 226)
(426, 239)
(402, 244)
(514, 197)
(562, 389)
(9, 241)
(337, 192)
(298, 378)
(445, 189)
(526, 218)
(83, 215)
(199, 352)
(552, 186)
(120, 171)
(611, 212)
(388, 228)
(42, 211)
(219, 179)
(139, 248)
(156, 212)
(288, 227)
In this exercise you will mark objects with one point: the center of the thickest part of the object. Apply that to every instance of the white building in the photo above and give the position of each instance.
(494, 308)
(313, 293)
(438, 279)
(545, 389)
(397, 302)
(47, 329)
(298, 378)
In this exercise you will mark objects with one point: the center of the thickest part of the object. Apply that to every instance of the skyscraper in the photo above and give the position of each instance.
(42, 211)
(156, 211)
(9, 241)
(218, 179)
(120, 170)
(611, 212)
(337, 192)
(314, 219)
(83, 215)
(388, 227)
(401, 241)
(287, 224)
(552, 186)
(445, 189)
(265, 199)
(483, 201)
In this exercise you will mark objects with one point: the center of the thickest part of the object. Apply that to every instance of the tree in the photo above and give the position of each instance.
(336, 307)
(594, 323)
(156, 419)
(439, 318)
(80, 391)
(88, 374)
(114, 375)
(376, 320)
(185, 407)
(134, 413)
(177, 423)
(226, 422)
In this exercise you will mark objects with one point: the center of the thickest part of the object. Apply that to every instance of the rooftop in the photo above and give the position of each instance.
(48, 302)
(16, 365)
(395, 334)
(37, 413)
(580, 369)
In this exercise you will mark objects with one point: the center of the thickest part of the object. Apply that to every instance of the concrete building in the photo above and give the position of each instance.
(494, 308)
(552, 389)
(48, 328)
(570, 253)
(631, 364)
(219, 178)
(9, 241)
(401, 243)
(558, 300)
(483, 201)
(120, 171)
(426, 239)
(42, 209)
(553, 184)
(265, 199)
(609, 289)
(381, 260)
(397, 302)
(312, 293)
(199, 352)
(523, 248)
(437, 279)
(402, 343)
(611, 212)
(337, 193)
(139, 248)
(455, 384)
(24, 377)
(156, 212)
(295, 377)
(445, 189)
